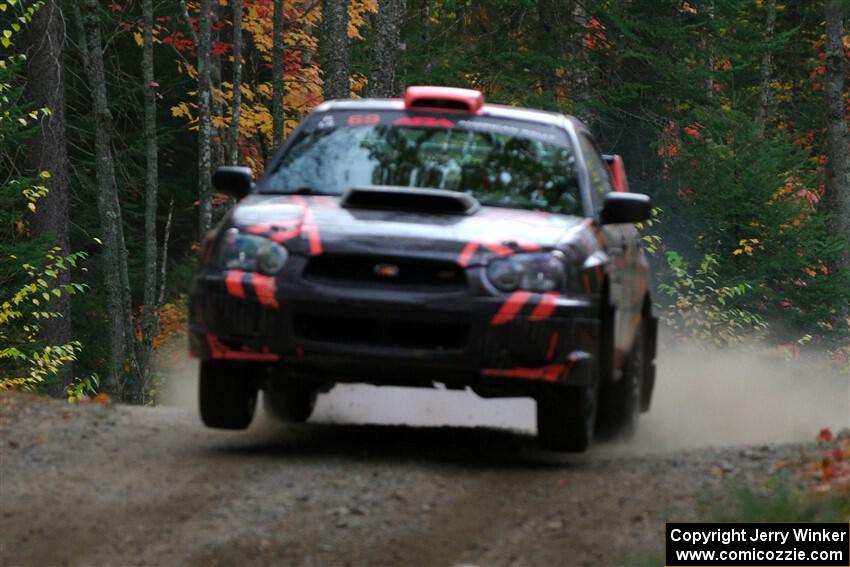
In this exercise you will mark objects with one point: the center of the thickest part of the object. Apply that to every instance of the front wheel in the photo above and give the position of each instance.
(227, 394)
(621, 401)
(566, 418)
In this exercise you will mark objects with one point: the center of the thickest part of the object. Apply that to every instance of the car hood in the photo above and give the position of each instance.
(313, 225)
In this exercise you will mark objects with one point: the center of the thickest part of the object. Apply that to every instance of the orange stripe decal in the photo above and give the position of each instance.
(546, 306)
(309, 226)
(553, 344)
(260, 229)
(529, 246)
(315, 240)
(511, 307)
(220, 351)
(466, 255)
(499, 249)
(233, 281)
(266, 289)
(281, 237)
(550, 373)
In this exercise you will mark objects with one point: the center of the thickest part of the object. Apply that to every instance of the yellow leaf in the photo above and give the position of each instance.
(138, 37)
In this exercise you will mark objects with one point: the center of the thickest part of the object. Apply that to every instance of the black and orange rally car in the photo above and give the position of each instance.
(434, 239)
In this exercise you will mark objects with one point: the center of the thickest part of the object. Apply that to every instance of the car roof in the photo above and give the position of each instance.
(494, 110)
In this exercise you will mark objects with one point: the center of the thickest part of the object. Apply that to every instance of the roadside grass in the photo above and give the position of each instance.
(780, 500)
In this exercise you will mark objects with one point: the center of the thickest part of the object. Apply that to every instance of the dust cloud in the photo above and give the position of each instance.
(751, 395)
(702, 398)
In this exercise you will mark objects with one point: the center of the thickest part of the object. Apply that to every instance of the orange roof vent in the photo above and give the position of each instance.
(443, 98)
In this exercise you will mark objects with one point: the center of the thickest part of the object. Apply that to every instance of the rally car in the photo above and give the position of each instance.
(433, 239)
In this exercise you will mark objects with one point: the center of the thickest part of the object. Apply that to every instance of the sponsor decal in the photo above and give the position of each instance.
(424, 122)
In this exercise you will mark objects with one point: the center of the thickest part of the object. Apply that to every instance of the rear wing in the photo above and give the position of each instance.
(618, 172)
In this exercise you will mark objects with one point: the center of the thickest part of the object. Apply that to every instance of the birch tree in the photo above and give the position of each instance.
(335, 49)
(383, 80)
(151, 186)
(204, 119)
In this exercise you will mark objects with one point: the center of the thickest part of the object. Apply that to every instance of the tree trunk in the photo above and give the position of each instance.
(549, 14)
(277, 75)
(383, 81)
(123, 369)
(151, 185)
(236, 104)
(838, 141)
(581, 71)
(425, 13)
(766, 69)
(709, 50)
(47, 151)
(217, 111)
(335, 49)
(204, 120)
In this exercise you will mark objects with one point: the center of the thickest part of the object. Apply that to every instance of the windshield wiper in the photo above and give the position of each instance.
(308, 191)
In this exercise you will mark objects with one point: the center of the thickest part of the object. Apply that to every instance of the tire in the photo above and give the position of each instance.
(620, 402)
(566, 418)
(289, 399)
(227, 394)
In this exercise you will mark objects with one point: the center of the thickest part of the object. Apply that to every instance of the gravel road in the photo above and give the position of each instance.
(117, 485)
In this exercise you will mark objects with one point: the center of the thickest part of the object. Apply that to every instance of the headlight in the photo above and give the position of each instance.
(251, 253)
(533, 272)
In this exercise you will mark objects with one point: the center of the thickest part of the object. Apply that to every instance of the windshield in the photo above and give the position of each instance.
(497, 162)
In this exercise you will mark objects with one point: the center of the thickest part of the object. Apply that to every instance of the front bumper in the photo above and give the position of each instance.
(468, 338)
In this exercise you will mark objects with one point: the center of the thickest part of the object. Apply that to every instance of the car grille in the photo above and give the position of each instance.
(239, 317)
(378, 332)
(377, 272)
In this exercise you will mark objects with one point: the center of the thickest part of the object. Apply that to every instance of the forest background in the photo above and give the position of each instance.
(732, 114)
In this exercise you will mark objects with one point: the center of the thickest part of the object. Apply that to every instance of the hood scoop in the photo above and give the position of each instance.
(436, 201)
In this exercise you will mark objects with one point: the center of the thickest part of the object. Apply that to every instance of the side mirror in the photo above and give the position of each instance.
(234, 181)
(625, 208)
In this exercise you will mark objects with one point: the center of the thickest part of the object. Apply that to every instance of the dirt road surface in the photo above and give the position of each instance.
(387, 477)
